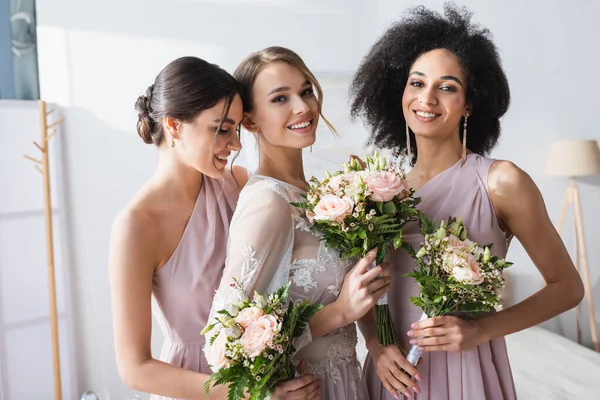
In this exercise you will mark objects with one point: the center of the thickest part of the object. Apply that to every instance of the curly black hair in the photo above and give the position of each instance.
(377, 88)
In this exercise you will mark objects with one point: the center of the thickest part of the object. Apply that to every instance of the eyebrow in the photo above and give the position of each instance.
(445, 77)
(225, 121)
(286, 88)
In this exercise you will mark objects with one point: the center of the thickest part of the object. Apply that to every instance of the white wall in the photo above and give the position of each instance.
(97, 57)
(25, 331)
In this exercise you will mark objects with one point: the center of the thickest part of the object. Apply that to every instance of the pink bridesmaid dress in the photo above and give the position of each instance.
(484, 372)
(184, 287)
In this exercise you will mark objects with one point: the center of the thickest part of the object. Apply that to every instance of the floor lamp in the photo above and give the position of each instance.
(575, 159)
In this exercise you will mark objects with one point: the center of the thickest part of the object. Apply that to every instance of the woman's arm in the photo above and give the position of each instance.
(260, 237)
(131, 266)
(521, 209)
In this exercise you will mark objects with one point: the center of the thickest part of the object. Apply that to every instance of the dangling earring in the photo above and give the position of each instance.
(173, 143)
(408, 150)
(311, 148)
(464, 143)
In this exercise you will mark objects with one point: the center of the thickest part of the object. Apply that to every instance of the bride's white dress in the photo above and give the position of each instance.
(270, 244)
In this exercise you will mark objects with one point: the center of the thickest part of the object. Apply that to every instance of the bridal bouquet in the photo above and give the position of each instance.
(361, 208)
(455, 274)
(251, 342)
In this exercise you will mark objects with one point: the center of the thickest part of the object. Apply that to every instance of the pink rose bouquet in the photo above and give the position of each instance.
(455, 275)
(250, 342)
(361, 208)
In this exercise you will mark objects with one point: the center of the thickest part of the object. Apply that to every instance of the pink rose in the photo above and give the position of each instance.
(459, 245)
(216, 352)
(456, 243)
(332, 208)
(476, 277)
(451, 260)
(466, 275)
(248, 315)
(384, 185)
(463, 267)
(462, 274)
(259, 335)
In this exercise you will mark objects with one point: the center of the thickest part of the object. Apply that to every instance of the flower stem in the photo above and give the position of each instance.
(385, 328)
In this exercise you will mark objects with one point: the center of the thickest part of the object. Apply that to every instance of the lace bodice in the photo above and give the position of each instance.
(269, 245)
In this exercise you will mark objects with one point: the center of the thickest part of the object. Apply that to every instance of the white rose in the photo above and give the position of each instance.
(232, 310)
(215, 353)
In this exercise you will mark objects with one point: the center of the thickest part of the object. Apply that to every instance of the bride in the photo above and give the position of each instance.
(269, 242)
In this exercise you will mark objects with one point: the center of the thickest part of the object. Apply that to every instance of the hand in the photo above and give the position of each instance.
(306, 387)
(395, 371)
(360, 161)
(362, 288)
(447, 333)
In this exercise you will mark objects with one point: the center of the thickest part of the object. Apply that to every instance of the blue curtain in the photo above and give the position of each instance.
(18, 51)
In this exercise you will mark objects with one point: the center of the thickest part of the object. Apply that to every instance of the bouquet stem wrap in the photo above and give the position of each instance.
(415, 352)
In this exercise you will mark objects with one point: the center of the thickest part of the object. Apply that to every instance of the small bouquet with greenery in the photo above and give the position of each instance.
(360, 208)
(249, 345)
(455, 275)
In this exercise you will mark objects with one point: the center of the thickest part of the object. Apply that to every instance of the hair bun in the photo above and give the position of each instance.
(145, 125)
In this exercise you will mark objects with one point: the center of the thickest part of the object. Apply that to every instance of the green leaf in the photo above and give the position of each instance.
(206, 385)
(381, 253)
(207, 329)
(236, 391)
(389, 208)
(427, 225)
(366, 246)
(409, 249)
(284, 291)
(397, 242)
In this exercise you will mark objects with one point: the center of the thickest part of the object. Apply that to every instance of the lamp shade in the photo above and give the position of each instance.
(573, 158)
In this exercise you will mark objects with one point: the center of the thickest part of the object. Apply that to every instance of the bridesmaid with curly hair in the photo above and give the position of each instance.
(433, 87)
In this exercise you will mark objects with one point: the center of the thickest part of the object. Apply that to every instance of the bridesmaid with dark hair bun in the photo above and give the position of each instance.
(167, 247)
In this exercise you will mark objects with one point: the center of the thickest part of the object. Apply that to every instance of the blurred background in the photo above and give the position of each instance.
(91, 59)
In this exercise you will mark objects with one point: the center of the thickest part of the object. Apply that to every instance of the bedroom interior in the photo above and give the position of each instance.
(72, 71)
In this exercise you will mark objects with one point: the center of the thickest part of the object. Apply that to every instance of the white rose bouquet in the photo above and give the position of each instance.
(250, 342)
(455, 275)
(361, 208)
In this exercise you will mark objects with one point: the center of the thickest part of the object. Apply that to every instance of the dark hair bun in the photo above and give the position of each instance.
(182, 90)
(145, 125)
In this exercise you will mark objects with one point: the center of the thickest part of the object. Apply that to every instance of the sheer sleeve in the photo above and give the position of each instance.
(260, 242)
(259, 249)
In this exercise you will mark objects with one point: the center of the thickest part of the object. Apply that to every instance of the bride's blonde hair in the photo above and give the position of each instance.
(251, 66)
